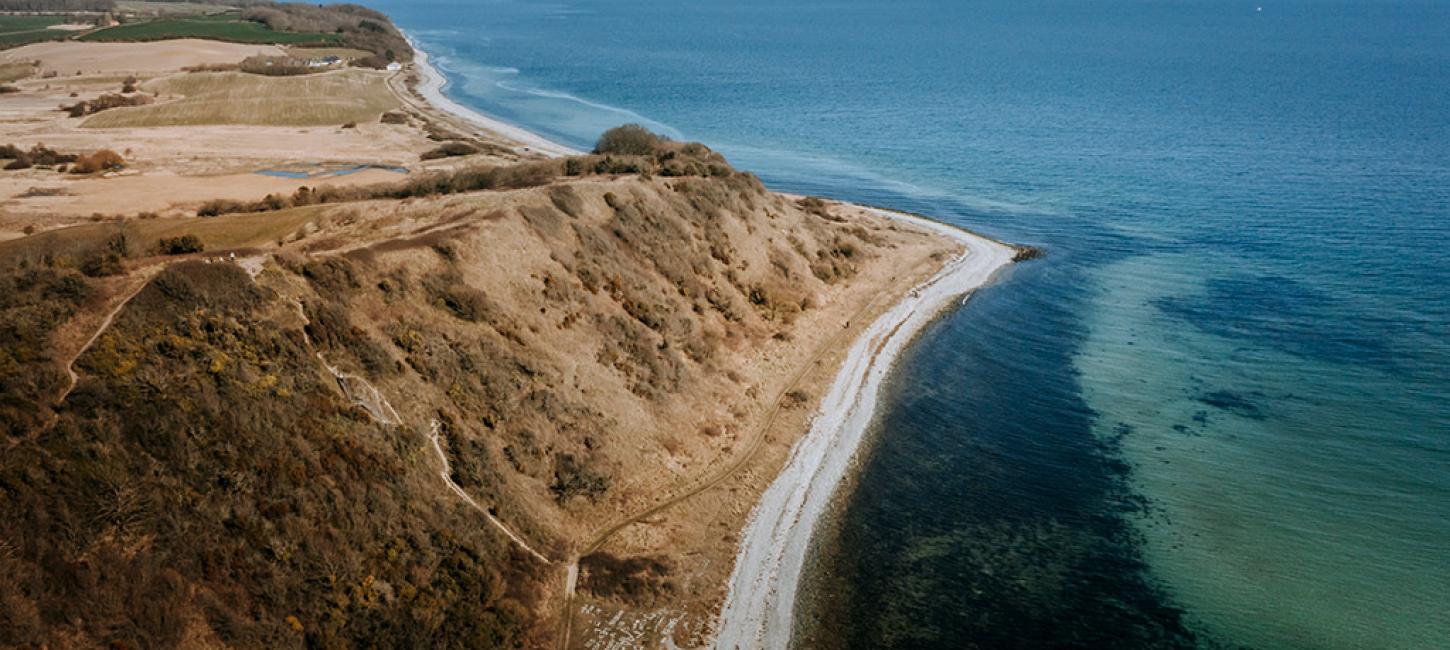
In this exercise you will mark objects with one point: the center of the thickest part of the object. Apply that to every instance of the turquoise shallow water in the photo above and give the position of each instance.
(1218, 413)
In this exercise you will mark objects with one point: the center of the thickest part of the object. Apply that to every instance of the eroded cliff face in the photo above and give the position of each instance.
(399, 425)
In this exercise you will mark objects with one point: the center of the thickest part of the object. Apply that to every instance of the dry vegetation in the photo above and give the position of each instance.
(105, 102)
(660, 156)
(15, 71)
(276, 66)
(357, 27)
(238, 501)
(42, 156)
(207, 483)
(239, 98)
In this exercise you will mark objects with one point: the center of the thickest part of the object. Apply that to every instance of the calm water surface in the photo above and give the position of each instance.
(1218, 413)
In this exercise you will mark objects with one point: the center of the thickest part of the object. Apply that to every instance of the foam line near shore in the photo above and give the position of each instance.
(759, 607)
(431, 84)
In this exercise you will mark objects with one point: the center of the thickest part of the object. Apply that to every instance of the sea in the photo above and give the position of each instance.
(1215, 414)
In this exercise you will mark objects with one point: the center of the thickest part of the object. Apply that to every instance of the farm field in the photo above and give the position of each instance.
(240, 98)
(221, 27)
(19, 30)
(152, 57)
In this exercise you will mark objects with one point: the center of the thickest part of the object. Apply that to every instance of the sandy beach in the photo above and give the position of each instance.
(761, 600)
(431, 85)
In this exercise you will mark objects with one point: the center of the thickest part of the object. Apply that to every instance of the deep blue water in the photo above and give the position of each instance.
(1218, 412)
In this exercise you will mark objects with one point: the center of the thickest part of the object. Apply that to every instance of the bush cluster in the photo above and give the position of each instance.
(38, 155)
(206, 478)
(275, 66)
(181, 245)
(629, 140)
(105, 102)
(428, 184)
(667, 159)
(449, 150)
(43, 156)
(357, 27)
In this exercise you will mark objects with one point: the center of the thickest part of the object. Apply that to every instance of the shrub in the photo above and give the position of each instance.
(449, 150)
(101, 160)
(38, 156)
(181, 245)
(45, 156)
(217, 207)
(637, 580)
(394, 117)
(628, 139)
(101, 264)
(573, 478)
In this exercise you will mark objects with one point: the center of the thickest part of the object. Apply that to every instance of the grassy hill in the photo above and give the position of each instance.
(19, 30)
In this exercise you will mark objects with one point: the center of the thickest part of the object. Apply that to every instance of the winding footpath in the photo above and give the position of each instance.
(70, 369)
(433, 435)
(362, 393)
(760, 604)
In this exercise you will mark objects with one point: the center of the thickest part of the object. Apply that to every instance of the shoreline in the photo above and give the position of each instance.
(431, 86)
(767, 569)
(760, 604)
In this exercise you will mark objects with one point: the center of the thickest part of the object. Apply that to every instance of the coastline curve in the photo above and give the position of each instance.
(431, 86)
(760, 603)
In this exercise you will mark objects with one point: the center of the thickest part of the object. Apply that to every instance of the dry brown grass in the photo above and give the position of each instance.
(237, 231)
(344, 53)
(15, 71)
(238, 98)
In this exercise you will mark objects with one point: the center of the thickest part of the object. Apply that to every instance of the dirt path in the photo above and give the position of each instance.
(362, 393)
(105, 324)
(447, 474)
(756, 442)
